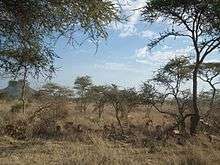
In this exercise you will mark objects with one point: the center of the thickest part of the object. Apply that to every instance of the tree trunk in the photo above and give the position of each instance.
(101, 109)
(119, 120)
(211, 104)
(182, 127)
(195, 118)
(23, 89)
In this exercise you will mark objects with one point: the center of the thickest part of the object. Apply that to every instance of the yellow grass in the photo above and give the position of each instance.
(97, 150)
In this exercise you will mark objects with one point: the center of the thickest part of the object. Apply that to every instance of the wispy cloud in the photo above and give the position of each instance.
(148, 34)
(131, 8)
(113, 66)
(143, 55)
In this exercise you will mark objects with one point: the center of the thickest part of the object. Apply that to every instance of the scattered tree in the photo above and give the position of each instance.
(132, 98)
(123, 101)
(209, 72)
(96, 94)
(29, 28)
(169, 80)
(82, 86)
(54, 92)
(199, 21)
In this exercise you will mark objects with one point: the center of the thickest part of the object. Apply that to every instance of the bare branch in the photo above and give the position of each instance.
(165, 35)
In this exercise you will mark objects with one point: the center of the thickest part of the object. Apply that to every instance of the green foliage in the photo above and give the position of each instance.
(186, 10)
(166, 86)
(209, 71)
(96, 92)
(28, 27)
(148, 93)
(199, 21)
(132, 98)
(52, 91)
(82, 85)
(16, 107)
(175, 71)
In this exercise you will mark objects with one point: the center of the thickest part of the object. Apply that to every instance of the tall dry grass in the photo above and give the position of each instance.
(93, 149)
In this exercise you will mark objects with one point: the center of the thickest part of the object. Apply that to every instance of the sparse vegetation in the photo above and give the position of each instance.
(163, 121)
(199, 21)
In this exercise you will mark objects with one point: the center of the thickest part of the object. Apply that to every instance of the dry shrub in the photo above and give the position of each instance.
(78, 108)
(16, 129)
(39, 122)
(13, 124)
(45, 121)
(18, 105)
(193, 154)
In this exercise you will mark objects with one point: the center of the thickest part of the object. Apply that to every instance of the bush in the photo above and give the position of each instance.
(16, 130)
(45, 121)
(18, 105)
(39, 122)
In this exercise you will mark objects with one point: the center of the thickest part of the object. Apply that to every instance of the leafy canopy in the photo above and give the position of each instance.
(28, 26)
(82, 85)
(199, 21)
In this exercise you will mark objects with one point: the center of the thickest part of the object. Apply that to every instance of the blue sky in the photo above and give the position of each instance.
(123, 58)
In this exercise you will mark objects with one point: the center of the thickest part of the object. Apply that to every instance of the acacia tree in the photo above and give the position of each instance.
(82, 86)
(115, 97)
(209, 72)
(29, 28)
(170, 79)
(197, 20)
(122, 101)
(54, 92)
(96, 94)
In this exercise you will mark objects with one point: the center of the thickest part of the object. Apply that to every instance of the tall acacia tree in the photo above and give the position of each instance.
(171, 78)
(27, 28)
(197, 20)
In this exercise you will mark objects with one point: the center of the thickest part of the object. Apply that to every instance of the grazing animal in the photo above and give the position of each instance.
(16, 130)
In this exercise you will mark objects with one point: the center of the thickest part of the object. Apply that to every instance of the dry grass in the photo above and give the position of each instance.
(94, 149)
(101, 152)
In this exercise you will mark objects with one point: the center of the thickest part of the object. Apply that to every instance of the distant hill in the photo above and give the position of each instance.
(14, 89)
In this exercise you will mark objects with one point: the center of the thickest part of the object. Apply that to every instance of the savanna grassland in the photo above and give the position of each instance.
(87, 140)
(170, 118)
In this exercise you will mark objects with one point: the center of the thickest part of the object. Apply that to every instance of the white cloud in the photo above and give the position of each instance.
(126, 30)
(143, 61)
(148, 34)
(211, 60)
(129, 28)
(165, 47)
(143, 55)
(116, 67)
